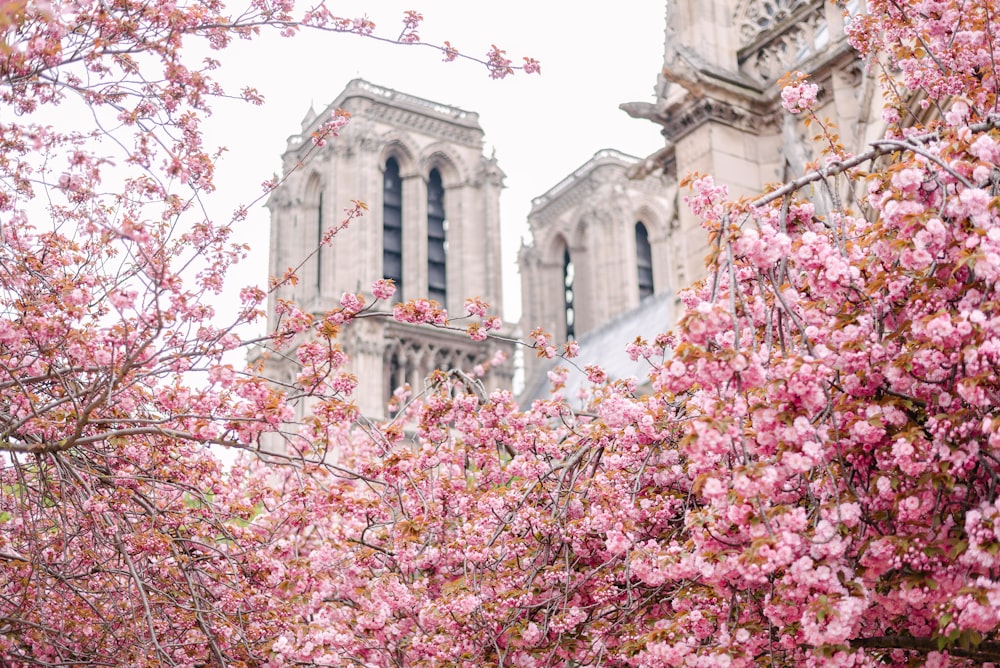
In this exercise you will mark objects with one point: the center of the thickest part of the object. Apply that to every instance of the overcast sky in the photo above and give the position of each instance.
(542, 127)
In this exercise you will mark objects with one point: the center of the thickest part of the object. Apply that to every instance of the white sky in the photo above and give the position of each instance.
(542, 127)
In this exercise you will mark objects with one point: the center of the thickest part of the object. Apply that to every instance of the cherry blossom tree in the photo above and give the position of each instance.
(811, 480)
(122, 539)
(813, 477)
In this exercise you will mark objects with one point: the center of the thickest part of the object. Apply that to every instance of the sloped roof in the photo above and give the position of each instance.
(605, 347)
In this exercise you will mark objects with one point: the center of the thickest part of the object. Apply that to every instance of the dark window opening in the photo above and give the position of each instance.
(396, 378)
(319, 246)
(643, 261)
(392, 226)
(437, 243)
(568, 275)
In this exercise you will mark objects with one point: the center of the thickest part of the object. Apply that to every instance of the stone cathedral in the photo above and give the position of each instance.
(433, 226)
(611, 244)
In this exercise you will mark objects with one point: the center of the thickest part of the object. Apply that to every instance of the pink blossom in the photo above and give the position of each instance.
(531, 634)
(498, 63)
(958, 113)
(352, 303)
(383, 289)
(476, 332)
(617, 543)
(986, 148)
(799, 97)
(475, 307)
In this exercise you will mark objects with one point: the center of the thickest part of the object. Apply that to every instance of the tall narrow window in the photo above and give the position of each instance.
(643, 260)
(437, 244)
(392, 226)
(312, 233)
(396, 375)
(568, 272)
(319, 245)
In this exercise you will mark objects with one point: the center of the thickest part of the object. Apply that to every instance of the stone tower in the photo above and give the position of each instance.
(600, 247)
(433, 226)
(719, 98)
(615, 229)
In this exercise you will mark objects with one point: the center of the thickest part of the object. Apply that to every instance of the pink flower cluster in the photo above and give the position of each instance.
(809, 476)
(420, 311)
(331, 128)
(799, 96)
(383, 288)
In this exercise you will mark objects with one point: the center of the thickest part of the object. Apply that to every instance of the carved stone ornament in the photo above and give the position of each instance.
(770, 44)
(694, 113)
(755, 17)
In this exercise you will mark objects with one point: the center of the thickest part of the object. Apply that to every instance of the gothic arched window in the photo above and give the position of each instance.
(320, 231)
(395, 372)
(392, 226)
(314, 226)
(437, 243)
(568, 275)
(643, 260)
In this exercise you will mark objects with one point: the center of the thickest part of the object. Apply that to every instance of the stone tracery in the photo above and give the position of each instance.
(771, 43)
(755, 17)
(412, 361)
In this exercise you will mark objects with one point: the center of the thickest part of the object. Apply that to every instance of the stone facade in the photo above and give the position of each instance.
(601, 243)
(719, 98)
(718, 103)
(433, 224)
(607, 236)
